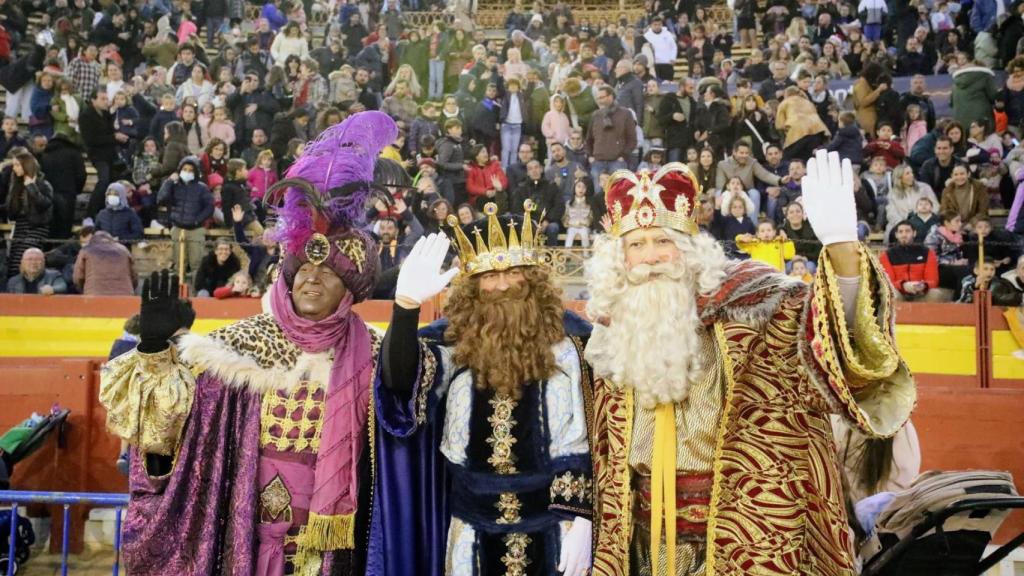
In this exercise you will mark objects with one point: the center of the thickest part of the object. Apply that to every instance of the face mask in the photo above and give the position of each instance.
(113, 201)
(187, 177)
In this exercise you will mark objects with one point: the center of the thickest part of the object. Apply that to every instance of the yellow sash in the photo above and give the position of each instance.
(663, 487)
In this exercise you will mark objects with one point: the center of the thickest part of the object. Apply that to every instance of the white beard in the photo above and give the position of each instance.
(652, 342)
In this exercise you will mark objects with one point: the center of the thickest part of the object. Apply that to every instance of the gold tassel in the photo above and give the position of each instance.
(323, 533)
(307, 562)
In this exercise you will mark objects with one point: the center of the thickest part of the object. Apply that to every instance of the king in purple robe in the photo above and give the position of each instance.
(252, 445)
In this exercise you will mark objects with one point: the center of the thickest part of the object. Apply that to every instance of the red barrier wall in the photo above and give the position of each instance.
(960, 423)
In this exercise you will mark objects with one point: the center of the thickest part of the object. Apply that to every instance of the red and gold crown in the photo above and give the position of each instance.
(665, 199)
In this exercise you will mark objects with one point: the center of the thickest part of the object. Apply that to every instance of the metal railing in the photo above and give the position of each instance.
(66, 499)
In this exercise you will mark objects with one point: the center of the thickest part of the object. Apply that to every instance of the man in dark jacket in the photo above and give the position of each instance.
(1010, 32)
(354, 32)
(63, 257)
(35, 278)
(252, 107)
(546, 198)
(329, 57)
(96, 124)
(286, 127)
(18, 78)
(612, 43)
(372, 59)
(516, 173)
(677, 114)
(629, 91)
(714, 121)
(917, 95)
(64, 167)
(254, 60)
(451, 167)
(216, 269)
(216, 11)
(10, 137)
(396, 236)
(117, 30)
(561, 171)
(368, 96)
(774, 88)
(612, 136)
(924, 148)
(939, 168)
(190, 203)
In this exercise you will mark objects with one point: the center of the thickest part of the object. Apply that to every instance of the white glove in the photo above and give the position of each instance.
(420, 277)
(575, 558)
(828, 198)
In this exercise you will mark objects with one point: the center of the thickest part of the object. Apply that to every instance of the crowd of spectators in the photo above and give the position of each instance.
(189, 111)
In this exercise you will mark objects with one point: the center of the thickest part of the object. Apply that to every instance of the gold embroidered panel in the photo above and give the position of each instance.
(515, 558)
(501, 439)
(292, 421)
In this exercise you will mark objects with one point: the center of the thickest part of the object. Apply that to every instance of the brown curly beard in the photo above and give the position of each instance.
(505, 338)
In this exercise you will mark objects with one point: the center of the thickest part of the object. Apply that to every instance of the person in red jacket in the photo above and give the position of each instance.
(485, 178)
(240, 286)
(913, 268)
(887, 145)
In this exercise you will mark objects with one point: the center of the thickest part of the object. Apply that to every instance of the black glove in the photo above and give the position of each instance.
(161, 314)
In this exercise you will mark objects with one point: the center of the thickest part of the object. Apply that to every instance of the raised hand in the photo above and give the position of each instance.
(828, 198)
(420, 277)
(160, 313)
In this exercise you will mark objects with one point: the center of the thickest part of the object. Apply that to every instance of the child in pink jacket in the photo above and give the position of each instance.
(555, 125)
(262, 176)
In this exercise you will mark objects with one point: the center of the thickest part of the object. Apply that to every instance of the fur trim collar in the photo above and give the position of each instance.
(238, 370)
(750, 294)
(254, 354)
(967, 69)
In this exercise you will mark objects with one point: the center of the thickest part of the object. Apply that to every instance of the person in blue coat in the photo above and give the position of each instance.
(117, 218)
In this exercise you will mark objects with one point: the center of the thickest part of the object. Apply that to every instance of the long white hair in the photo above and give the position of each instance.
(647, 334)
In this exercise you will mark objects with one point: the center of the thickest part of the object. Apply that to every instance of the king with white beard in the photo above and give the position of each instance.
(715, 383)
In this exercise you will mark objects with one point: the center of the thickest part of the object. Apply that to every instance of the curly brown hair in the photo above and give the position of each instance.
(506, 338)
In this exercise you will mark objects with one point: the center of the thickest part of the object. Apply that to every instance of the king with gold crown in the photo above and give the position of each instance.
(486, 412)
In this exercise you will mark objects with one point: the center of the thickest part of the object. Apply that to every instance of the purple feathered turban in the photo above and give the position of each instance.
(325, 195)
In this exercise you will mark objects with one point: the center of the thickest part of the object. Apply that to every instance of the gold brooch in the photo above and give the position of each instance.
(317, 249)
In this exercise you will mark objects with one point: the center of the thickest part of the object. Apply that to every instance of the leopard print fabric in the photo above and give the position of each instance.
(260, 338)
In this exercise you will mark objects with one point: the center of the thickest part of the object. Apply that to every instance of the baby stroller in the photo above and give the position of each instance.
(17, 444)
(941, 524)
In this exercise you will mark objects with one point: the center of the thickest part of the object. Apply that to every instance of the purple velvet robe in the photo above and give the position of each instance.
(200, 518)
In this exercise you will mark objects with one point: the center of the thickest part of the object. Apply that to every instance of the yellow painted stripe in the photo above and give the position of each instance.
(938, 349)
(55, 336)
(927, 349)
(1004, 365)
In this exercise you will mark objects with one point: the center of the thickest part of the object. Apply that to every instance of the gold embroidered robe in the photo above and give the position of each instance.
(788, 361)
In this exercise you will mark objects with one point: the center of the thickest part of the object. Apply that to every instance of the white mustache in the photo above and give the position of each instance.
(642, 273)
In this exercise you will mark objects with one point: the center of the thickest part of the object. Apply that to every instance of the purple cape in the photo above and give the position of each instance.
(409, 530)
(200, 518)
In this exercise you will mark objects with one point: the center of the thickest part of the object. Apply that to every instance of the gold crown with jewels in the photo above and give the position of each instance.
(500, 251)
